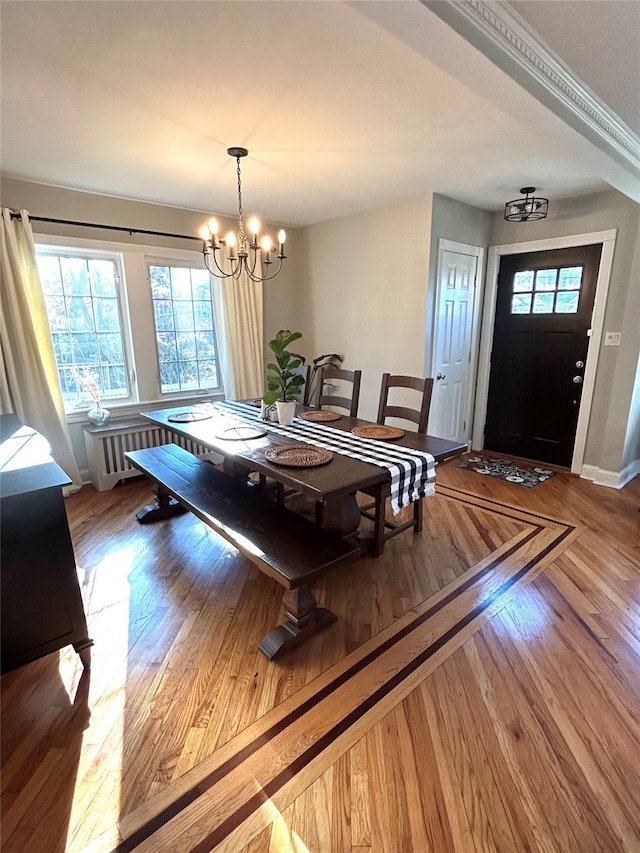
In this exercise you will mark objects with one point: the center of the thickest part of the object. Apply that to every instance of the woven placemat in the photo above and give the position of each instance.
(187, 417)
(379, 431)
(298, 455)
(241, 433)
(319, 415)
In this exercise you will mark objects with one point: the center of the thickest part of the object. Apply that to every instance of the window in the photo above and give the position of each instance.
(547, 291)
(185, 330)
(106, 303)
(83, 300)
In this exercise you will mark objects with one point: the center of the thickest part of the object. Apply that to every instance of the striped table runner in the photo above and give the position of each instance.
(412, 471)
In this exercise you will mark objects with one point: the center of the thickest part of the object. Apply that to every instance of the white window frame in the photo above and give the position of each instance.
(138, 321)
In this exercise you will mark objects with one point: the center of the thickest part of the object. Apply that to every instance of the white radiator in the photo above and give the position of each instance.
(106, 446)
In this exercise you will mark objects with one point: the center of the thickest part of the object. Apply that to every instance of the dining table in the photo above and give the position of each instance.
(248, 444)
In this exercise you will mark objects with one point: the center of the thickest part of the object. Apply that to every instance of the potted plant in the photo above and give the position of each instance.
(331, 359)
(283, 382)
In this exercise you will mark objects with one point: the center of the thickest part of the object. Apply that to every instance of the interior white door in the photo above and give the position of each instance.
(454, 356)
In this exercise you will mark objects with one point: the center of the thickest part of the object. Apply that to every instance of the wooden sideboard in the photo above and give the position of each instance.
(41, 604)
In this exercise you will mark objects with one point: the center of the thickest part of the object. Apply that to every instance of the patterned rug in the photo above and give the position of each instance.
(506, 469)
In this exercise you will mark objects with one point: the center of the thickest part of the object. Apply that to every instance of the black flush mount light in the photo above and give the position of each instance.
(526, 209)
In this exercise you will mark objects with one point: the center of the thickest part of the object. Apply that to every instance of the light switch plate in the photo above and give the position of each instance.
(612, 339)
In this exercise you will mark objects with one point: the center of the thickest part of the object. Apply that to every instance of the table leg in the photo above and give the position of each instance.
(303, 618)
(164, 507)
(342, 515)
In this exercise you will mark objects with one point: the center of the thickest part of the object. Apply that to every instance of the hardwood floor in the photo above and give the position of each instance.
(479, 691)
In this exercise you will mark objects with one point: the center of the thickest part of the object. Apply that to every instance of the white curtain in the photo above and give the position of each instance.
(241, 306)
(29, 384)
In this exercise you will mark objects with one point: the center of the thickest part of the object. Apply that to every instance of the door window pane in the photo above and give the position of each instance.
(567, 303)
(521, 303)
(546, 279)
(543, 303)
(185, 329)
(523, 281)
(570, 278)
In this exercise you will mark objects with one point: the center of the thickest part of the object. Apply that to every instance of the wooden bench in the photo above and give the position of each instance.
(284, 545)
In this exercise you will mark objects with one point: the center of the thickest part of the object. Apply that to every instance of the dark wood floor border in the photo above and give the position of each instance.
(500, 508)
(188, 797)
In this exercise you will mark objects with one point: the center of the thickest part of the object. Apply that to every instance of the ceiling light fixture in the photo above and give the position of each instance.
(250, 256)
(526, 209)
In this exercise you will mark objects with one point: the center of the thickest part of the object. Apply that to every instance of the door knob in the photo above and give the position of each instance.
(441, 375)
(577, 380)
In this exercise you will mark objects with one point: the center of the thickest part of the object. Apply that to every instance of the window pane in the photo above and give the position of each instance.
(183, 312)
(74, 276)
(521, 303)
(185, 330)
(103, 280)
(546, 280)
(203, 315)
(79, 320)
(107, 317)
(49, 269)
(570, 278)
(186, 344)
(523, 281)
(543, 303)
(160, 282)
(163, 309)
(180, 283)
(567, 303)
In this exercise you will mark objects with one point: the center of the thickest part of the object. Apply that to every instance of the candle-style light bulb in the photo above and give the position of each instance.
(266, 245)
(254, 227)
(213, 225)
(282, 236)
(231, 240)
(205, 233)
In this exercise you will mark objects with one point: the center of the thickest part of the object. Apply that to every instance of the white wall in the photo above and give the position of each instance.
(364, 292)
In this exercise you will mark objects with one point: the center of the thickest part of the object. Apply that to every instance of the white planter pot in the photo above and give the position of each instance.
(286, 412)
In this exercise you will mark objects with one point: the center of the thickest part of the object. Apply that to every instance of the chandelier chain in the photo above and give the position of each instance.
(241, 234)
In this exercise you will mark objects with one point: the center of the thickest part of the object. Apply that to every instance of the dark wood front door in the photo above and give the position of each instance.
(543, 315)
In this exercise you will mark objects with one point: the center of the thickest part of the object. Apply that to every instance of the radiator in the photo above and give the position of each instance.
(106, 446)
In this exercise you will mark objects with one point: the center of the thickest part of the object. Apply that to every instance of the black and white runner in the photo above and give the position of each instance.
(412, 471)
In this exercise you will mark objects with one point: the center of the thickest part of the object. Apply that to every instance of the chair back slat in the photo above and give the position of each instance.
(338, 400)
(418, 416)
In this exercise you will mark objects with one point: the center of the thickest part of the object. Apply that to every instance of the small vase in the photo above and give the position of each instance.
(286, 412)
(98, 416)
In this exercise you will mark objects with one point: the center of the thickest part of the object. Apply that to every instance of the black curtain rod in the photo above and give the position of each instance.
(131, 231)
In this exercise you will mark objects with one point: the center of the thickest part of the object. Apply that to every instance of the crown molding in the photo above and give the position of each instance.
(504, 36)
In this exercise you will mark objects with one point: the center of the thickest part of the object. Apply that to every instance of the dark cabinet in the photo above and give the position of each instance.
(41, 604)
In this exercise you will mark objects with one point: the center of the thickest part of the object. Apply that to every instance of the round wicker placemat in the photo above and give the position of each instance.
(186, 417)
(241, 433)
(319, 415)
(379, 431)
(298, 455)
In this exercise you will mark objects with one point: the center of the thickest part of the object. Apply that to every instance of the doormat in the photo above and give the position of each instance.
(506, 469)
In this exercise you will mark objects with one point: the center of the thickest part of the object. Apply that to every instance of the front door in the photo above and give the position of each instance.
(543, 317)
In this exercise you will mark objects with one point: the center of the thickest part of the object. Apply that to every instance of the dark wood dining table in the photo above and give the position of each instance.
(334, 485)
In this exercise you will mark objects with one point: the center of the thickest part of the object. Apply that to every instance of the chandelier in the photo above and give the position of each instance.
(526, 209)
(244, 254)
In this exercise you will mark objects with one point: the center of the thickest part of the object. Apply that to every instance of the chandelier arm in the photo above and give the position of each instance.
(218, 271)
(273, 274)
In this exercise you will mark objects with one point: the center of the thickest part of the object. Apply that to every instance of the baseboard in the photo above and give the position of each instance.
(611, 479)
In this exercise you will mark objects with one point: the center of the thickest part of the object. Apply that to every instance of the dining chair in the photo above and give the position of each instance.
(329, 373)
(383, 528)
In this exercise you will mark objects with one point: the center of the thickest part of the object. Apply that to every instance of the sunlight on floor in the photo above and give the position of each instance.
(283, 838)
(107, 604)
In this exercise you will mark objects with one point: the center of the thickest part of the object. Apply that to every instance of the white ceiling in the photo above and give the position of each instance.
(343, 106)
